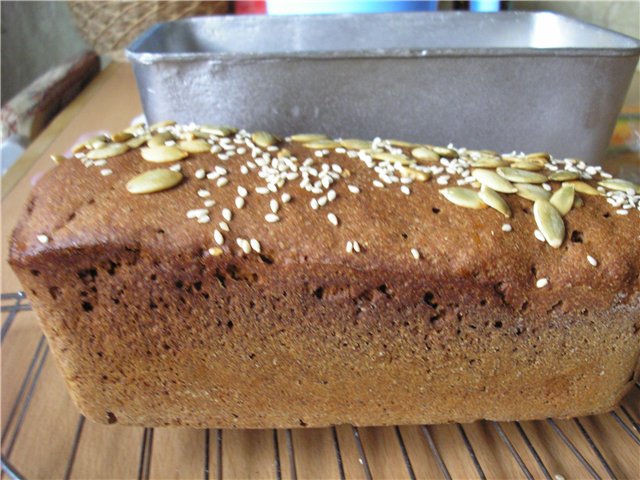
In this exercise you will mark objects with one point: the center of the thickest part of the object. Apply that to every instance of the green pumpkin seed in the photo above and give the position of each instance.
(218, 130)
(159, 139)
(154, 181)
(121, 136)
(110, 150)
(541, 155)
(582, 187)
(562, 199)
(162, 124)
(563, 176)
(393, 158)
(494, 200)
(618, 184)
(444, 152)
(308, 137)
(463, 197)
(136, 142)
(492, 180)
(355, 144)
(549, 222)
(415, 174)
(163, 154)
(488, 162)
(578, 202)
(194, 146)
(532, 192)
(322, 144)
(424, 154)
(521, 176)
(401, 143)
(263, 139)
(529, 166)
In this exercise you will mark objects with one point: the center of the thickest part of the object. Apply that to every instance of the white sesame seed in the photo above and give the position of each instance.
(99, 163)
(213, 175)
(331, 195)
(262, 190)
(538, 234)
(244, 170)
(314, 203)
(204, 218)
(197, 212)
(543, 282)
(415, 253)
(204, 193)
(242, 191)
(241, 151)
(105, 172)
(223, 157)
(349, 247)
(255, 244)
(443, 180)
(222, 181)
(406, 190)
(274, 206)
(176, 168)
(333, 219)
(322, 201)
(200, 174)
(42, 238)
(506, 227)
(215, 251)
(224, 226)
(239, 202)
(218, 237)
(226, 214)
(341, 150)
(286, 198)
(592, 261)
(547, 187)
(272, 218)
(378, 183)
(353, 189)
(244, 245)
(356, 246)
(622, 212)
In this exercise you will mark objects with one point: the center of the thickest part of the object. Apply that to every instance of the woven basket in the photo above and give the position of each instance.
(111, 25)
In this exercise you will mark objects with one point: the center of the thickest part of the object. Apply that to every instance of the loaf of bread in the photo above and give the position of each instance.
(203, 276)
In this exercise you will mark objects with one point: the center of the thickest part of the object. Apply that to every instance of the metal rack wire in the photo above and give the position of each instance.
(628, 427)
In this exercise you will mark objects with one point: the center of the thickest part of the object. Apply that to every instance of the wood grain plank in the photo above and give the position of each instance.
(422, 459)
(248, 454)
(453, 451)
(177, 453)
(383, 452)
(315, 453)
(351, 461)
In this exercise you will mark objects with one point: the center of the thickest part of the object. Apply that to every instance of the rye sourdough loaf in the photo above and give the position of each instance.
(203, 276)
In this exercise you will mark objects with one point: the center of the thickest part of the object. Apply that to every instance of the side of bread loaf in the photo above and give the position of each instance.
(251, 291)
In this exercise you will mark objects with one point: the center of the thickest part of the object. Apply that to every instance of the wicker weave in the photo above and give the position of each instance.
(110, 26)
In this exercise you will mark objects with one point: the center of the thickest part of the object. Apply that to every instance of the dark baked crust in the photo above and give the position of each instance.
(150, 329)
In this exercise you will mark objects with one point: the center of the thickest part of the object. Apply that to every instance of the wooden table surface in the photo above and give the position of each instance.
(43, 435)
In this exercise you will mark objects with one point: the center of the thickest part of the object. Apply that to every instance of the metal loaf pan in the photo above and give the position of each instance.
(531, 81)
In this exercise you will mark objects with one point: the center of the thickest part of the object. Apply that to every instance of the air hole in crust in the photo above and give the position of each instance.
(576, 236)
(319, 292)
(87, 306)
(111, 418)
(435, 210)
(428, 299)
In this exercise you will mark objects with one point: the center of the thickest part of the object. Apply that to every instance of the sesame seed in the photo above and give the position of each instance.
(176, 168)
(242, 191)
(538, 234)
(244, 170)
(213, 175)
(255, 244)
(209, 203)
(333, 219)
(272, 218)
(353, 189)
(543, 282)
(200, 174)
(314, 203)
(547, 187)
(506, 227)
(356, 246)
(406, 190)
(378, 183)
(204, 218)
(224, 226)
(197, 212)
(331, 195)
(215, 251)
(226, 214)
(415, 253)
(221, 170)
(218, 237)
(273, 204)
(222, 181)
(204, 193)
(322, 201)
(622, 212)
(223, 156)
(105, 172)
(286, 198)
(262, 190)
(244, 245)
(592, 261)
(43, 238)
(239, 202)
(341, 150)
(99, 163)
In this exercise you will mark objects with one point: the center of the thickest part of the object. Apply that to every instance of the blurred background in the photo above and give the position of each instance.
(52, 49)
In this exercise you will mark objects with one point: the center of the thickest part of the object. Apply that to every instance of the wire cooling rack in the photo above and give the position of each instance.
(43, 436)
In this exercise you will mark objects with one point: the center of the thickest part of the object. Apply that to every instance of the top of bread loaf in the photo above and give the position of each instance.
(386, 205)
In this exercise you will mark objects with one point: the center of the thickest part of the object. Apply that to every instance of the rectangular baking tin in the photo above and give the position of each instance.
(531, 81)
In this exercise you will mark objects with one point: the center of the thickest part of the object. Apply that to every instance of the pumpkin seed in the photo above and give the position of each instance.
(618, 184)
(528, 165)
(463, 197)
(355, 144)
(218, 130)
(393, 158)
(425, 154)
(58, 159)
(532, 192)
(492, 180)
(263, 139)
(444, 152)
(542, 155)
(194, 146)
(490, 153)
(163, 154)
(577, 201)
(134, 128)
(400, 143)
(549, 222)
(582, 187)
(135, 142)
(511, 159)
(284, 153)
(110, 150)
(308, 137)
(418, 175)
(87, 144)
(563, 176)
(159, 139)
(562, 199)
(488, 162)
(121, 136)
(521, 176)
(162, 124)
(154, 181)
(322, 144)
(494, 200)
